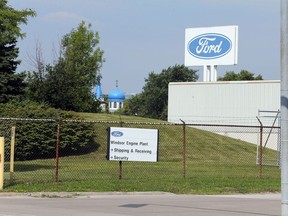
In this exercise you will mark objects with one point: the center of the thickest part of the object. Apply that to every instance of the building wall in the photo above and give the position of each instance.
(115, 105)
(228, 103)
(231, 102)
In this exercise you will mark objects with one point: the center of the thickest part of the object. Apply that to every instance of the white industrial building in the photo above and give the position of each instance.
(226, 103)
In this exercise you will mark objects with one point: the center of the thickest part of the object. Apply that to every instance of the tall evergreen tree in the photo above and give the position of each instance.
(11, 84)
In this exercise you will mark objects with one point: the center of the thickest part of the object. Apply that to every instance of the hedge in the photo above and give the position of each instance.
(36, 136)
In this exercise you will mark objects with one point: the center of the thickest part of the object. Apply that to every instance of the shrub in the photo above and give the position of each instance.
(36, 135)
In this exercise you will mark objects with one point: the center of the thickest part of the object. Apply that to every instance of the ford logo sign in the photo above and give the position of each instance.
(209, 46)
(117, 133)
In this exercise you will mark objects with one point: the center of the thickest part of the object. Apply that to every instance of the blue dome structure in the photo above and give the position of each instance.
(116, 95)
(116, 99)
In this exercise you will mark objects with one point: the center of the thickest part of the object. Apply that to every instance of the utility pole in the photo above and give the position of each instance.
(284, 106)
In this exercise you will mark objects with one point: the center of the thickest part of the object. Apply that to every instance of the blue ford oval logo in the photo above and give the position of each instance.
(209, 46)
(117, 133)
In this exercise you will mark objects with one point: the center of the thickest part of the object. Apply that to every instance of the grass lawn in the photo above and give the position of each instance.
(214, 164)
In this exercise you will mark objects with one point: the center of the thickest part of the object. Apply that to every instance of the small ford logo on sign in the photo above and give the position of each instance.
(117, 133)
(209, 46)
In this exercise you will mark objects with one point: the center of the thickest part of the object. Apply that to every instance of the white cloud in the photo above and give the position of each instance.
(64, 17)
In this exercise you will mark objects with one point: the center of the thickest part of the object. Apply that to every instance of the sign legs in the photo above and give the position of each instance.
(210, 73)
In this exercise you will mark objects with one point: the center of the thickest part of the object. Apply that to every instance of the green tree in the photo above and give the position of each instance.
(11, 84)
(36, 78)
(243, 75)
(153, 100)
(68, 84)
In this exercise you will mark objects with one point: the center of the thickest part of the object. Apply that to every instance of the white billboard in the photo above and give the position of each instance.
(132, 144)
(211, 46)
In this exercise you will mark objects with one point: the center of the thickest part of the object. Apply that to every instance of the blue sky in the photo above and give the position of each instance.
(141, 36)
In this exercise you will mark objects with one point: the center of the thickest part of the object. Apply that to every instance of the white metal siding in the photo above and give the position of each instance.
(235, 102)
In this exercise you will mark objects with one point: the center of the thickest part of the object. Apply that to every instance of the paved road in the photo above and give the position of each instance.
(137, 204)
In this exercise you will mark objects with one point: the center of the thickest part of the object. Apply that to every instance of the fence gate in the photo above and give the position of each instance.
(269, 138)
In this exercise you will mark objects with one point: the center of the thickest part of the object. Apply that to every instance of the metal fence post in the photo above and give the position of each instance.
(57, 151)
(1, 163)
(184, 148)
(261, 148)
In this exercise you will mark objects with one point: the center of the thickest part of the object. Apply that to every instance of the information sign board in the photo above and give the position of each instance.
(132, 144)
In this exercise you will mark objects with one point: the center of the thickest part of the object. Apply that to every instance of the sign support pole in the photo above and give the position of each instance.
(120, 162)
(210, 73)
(214, 76)
(206, 73)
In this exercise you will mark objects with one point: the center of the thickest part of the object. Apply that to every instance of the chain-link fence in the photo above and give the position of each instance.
(53, 150)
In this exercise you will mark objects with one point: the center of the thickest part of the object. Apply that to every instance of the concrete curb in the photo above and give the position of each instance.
(266, 196)
(76, 194)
